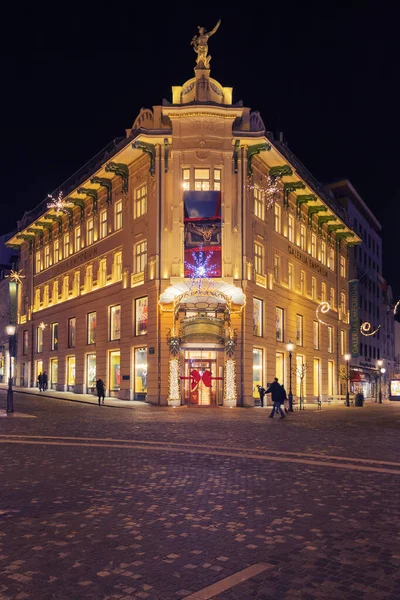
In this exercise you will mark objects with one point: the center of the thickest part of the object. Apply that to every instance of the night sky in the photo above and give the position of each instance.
(324, 75)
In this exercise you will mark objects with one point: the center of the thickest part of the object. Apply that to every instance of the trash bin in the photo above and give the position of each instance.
(359, 399)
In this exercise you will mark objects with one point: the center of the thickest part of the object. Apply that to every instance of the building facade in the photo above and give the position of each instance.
(181, 265)
(375, 299)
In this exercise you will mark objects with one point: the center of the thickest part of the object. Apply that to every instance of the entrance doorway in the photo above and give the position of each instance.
(203, 378)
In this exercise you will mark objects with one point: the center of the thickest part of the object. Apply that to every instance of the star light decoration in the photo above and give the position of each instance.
(59, 204)
(42, 326)
(269, 190)
(201, 269)
(366, 329)
(396, 307)
(16, 276)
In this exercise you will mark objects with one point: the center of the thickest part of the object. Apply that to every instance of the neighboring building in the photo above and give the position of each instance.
(374, 294)
(8, 315)
(397, 347)
(185, 260)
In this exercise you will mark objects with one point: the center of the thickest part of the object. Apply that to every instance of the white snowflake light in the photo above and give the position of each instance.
(201, 269)
(174, 389)
(42, 326)
(59, 204)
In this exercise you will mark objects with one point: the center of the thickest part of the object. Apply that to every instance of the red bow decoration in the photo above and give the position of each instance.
(197, 377)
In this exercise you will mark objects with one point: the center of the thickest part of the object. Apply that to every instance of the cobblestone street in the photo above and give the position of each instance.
(164, 504)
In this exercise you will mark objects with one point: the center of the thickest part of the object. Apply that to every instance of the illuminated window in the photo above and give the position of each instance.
(55, 292)
(118, 266)
(54, 336)
(38, 261)
(323, 252)
(66, 245)
(115, 370)
(299, 330)
(89, 232)
(217, 180)
(140, 371)
(290, 228)
(313, 245)
(277, 218)
(56, 251)
(118, 215)
(257, 317)
(280, 366)
(316, 335)
(46, 296)
(53, 372)
(300, 375)
(102, 272)
(186, 179)
(141, 256)
(302, 282)
(25, 342)
(77, 283)
(46, 257)
(330, 378)
(91, 328)
(88, 278)
(141, 315)
(258, 258)
(65, 287)
(290, 276)
(72, 332)
(141, 201)
(331, 259)
(277, 267)
(91, 371)
(342, 267)
(103, 224)
(317, 376)
(71, 370)
(313, 288)
(279, 324)
(323, 292)
(332, 297)
(258, 203)
(78, 238)
(330, 339)
(202, 179)
(115, 322)
(302, 237)
(257, 370)
(343, 304)
(39, 339)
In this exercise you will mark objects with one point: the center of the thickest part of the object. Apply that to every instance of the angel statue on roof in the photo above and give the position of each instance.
(200, 45)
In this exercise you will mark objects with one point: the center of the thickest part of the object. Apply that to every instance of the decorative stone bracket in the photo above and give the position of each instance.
(174, 342)
(81, 203)
(38, 232)
(46, 225)
(106, 183)
(252, 151)
(324, 219)
(27, 238)
(280, 171)
(313, 210)
(92, 194)
(333, 228)
(58, 220)
(149, 149)
(303, 199)
(122, 171)
(291, 187)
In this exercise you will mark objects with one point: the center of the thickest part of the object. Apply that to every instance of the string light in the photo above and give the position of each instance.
(59, 204)
(366, 329)
(230, 382)
(269, 191)
(396, 307)
(324, 307)
(174, 393)
(16, 276)
(201, 269)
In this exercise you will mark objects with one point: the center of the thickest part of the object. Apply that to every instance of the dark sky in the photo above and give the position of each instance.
(325, 74)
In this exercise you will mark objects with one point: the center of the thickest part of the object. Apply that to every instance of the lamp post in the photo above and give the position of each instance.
(380, 364)
(347, 358)
(290, 348)
(382, 371)
(10, 330)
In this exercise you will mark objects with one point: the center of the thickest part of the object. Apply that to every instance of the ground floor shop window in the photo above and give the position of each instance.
(53, 372)
(279, 370)
(300, 374)
(70, 371)
(317, 375)
(140, 373)
(257, 370)
(39, 369)
(330, 378)
(115, 370)
(91, 371)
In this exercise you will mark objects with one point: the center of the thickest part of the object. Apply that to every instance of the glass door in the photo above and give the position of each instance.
(200, 380)
(53, 373)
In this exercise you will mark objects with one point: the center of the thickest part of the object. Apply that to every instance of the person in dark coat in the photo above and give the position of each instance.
(100, 390)
(277, 398)
(261, 391)
(285, 400)
(40, 381)
(45, 380)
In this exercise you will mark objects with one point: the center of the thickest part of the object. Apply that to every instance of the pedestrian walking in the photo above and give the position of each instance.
(45, 381)
(275, 389)
(100, 387)
(261, 391)
(284, 400)
(40, 381)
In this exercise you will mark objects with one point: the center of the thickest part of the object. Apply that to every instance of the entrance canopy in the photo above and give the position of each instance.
(210, 296)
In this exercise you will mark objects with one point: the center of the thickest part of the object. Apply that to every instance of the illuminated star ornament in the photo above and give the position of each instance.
(42, 326)
(16, 276)
(324, 307)
(268, 190)
(59, 204)
(366, 328)
(201, 269)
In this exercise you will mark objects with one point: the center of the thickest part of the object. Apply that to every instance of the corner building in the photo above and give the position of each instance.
(179, 264)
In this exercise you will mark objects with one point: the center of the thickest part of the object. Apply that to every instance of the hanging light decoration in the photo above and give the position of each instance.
(16, 276)
(366, 328)
(174, 394)
(396, 307)
(230, 395)
(324, 307)
(42, 326)
(59, 204)
(269, 190)
(201, 269)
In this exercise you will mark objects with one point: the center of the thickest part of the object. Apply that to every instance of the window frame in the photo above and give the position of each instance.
(281, 318)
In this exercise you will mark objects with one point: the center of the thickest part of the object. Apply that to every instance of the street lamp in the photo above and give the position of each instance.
(347, 358)
(290, 348)
(10, 330)
(379, 363)
(382, 371)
